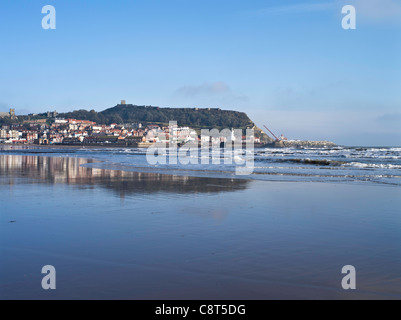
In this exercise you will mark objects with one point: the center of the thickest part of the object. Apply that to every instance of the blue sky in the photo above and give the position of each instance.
(288, 64)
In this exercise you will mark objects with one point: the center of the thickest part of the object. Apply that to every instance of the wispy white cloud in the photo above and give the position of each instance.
(217, 93)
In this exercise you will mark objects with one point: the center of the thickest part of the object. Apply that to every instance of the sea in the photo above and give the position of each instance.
(381, 165)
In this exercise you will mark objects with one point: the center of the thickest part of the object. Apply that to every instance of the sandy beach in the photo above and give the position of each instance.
(127, 235)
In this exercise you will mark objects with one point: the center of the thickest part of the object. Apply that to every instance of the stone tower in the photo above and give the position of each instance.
(12, 114)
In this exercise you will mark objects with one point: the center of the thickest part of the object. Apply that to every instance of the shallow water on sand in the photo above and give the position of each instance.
(128, 235)
(336, 164)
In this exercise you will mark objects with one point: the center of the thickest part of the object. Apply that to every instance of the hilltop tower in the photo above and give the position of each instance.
(12, 114)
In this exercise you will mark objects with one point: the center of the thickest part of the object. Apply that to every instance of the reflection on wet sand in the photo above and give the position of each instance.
(71, 171)
(260, 240)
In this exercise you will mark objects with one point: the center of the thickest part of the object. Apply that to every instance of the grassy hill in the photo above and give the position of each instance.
(195, 118)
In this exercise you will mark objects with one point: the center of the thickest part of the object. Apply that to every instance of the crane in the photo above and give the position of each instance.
(277, 139)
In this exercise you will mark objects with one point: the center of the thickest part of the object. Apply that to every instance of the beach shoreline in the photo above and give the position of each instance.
(174, 237)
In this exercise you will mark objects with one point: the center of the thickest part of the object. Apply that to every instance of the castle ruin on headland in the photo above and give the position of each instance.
(10, 114)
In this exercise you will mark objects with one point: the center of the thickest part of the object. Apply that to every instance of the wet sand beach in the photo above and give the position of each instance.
(129, 235)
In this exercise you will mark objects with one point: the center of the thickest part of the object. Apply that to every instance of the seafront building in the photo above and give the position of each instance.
(82, 132)
(56, 130)
(75, 131)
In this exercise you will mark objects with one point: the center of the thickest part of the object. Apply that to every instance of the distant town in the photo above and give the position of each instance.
(51, 129)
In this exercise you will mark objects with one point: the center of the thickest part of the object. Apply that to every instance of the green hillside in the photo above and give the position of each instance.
(195, 118)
